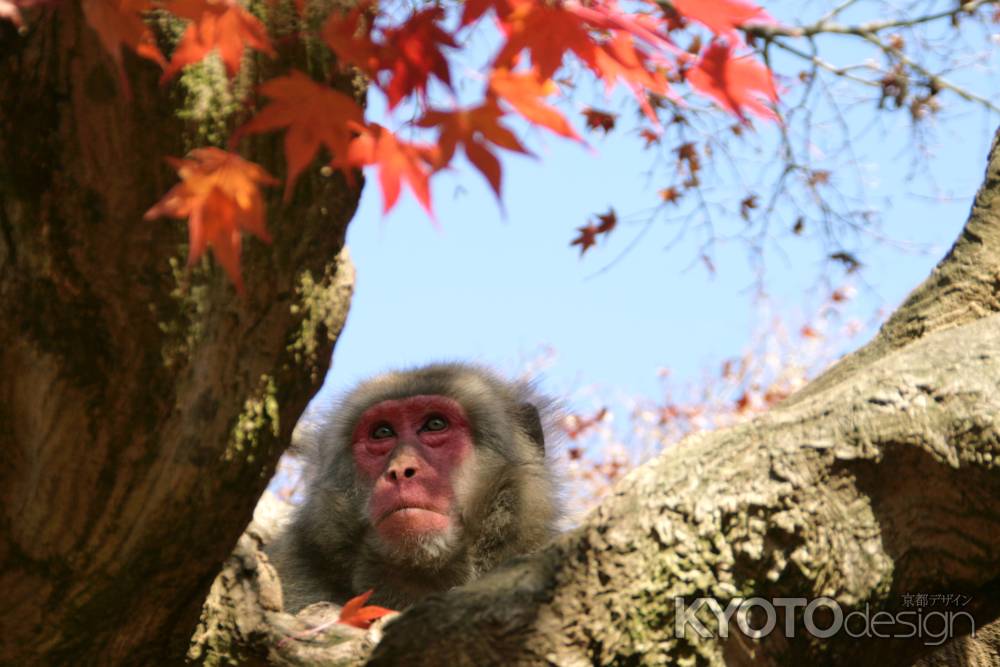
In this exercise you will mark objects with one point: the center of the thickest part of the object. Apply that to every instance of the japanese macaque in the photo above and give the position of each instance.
(420, 481)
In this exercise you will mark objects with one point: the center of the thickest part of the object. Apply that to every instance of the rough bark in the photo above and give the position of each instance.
(877, 482)
(243, 623)
(142, 405)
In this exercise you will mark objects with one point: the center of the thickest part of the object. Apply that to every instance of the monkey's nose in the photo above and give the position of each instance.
(407, 473)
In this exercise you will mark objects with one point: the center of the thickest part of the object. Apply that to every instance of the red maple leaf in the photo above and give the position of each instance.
(475, 130)
(525, 92)
(472, 10)
(219, 195)
(650, 136)
(608, 221)
(119, 23)
(614, 44)
(412, 53)
(599, 120)
(608, 16)
(398, 161)
(409, 54)
(735, 82)
(221, 25)
(356, 614)
(547, 31)
(315, 115)
(586, 239)
(722, 17)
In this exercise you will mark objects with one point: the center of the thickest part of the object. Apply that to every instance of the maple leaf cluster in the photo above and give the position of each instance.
(588, 234)
(404, 59)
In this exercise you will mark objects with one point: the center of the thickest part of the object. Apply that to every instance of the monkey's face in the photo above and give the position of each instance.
(407, 452)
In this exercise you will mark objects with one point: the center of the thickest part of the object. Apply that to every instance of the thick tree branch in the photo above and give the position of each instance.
(879, 480)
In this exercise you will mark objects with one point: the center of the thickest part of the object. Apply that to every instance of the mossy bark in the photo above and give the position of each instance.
(143, 405)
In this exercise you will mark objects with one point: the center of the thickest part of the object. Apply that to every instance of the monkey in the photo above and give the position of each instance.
(419, 481)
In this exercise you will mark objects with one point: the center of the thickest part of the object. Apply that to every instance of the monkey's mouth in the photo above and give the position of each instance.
(411, 521)
(409, 511)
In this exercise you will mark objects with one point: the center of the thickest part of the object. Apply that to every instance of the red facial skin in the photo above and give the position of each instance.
(411, 470)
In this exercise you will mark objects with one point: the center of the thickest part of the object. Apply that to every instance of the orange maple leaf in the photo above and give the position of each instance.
(315, 115)
(474, 129)
(349, 37)
(119, 23)
(398, 161)
(621, 59)
(356, 614)
(221, 25)
(219, 195)
(722, 17)
(525, 92)
(670, 195)
(735, 82)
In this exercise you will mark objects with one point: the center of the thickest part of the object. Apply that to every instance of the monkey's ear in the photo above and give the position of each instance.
(531, 422)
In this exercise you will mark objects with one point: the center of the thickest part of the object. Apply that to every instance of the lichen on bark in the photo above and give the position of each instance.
(320, 305)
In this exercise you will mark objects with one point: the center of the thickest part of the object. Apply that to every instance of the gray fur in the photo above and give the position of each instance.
(329, 551)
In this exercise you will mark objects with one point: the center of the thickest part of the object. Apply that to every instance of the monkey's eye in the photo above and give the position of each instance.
(435, 423)
(382, 431)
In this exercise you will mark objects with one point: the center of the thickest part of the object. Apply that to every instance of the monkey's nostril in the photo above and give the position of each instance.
(409, 472)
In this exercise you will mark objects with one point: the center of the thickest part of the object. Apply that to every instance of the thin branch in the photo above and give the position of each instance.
(843, 72)
(824, 26)
(935, 80)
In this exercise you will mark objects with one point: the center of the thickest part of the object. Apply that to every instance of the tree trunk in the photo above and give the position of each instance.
(142, 405)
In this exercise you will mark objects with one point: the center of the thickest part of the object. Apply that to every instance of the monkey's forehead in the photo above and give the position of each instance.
(484, 397)
(464, 384)
(413, 409)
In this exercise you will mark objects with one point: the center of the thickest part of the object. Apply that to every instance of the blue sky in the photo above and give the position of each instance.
(498, 289)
